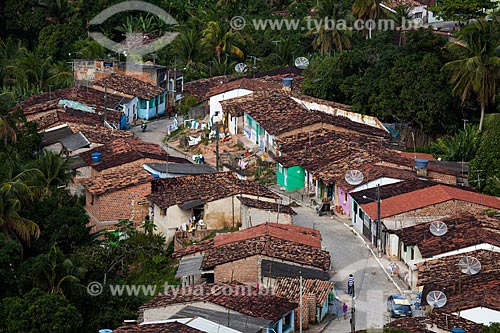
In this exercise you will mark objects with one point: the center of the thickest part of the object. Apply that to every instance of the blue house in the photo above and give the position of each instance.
(140, 100)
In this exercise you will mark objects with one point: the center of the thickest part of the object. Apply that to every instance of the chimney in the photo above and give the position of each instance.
(287, 83)
(421, 167)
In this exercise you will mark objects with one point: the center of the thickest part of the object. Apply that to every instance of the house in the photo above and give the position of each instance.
(237, 306)
(315, 292)
(143, 100)
(229, 90)
(122, 151)
(427, 204)
(163, 327)
(270, 115)
(416, 245)
(256, 255)
(207, 200)
(418, 10)
(87, 71)
(435, 322)
(471, 295)
(167, 170)
(77, 104)
(255, 212)
(117, 194)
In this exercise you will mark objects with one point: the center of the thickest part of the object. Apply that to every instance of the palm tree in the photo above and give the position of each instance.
(478, 68)
(149, 226)
(328, 37)
(14, 193)
(367, 10)
(187, 46)
(221, 38)
(53, 271)
(54, 171)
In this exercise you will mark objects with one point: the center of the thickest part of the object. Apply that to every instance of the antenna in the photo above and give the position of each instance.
(436, 299)
(301, 62)
(240, 68)
(438, 228)
(354, 177)
(469, 265)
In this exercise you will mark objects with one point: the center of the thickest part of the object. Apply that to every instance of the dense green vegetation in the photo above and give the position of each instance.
(48, 257)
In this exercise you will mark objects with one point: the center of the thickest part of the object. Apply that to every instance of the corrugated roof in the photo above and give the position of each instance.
(75, 142)
(189, 266)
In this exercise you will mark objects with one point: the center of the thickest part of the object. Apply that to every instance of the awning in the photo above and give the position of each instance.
(189, 266)
(191, 204)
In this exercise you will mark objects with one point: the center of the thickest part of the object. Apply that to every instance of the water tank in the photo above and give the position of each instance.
(421, 163)
(457, 330)
(155, 175)
(287, 83)
(106, 330)
(96, 157)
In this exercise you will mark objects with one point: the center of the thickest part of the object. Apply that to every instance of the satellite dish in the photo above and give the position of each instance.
(301, 62)
(436, 299)
(469, 265)
(354, 177)
(438, 228)
(240, 67)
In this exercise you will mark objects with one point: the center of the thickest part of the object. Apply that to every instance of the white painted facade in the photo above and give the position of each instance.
(216, 107)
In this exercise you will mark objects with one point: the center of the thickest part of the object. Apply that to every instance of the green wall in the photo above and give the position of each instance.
(290, 178)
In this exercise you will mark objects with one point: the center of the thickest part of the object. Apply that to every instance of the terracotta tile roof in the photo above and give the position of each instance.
(290, 289)
(391, 190)
(49, 100)
(240, 298)
(267, 246)
(278, 113)
(280, 241)
(293, 233)
(117, 178)
(170, 327)
(437, 318)
(243, 83)
(463, 231)
(200, 88)
(206, 187)
(126, 150)
(423, 156)
(445, 270)
(480, 290)
(266, 205)
(130, 86)
(427, 197)
(100, 134)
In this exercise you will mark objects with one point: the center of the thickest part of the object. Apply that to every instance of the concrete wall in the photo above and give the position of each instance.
(168, 223)
(215, 105)
(251, 216)
(108, 208)
(165, 312)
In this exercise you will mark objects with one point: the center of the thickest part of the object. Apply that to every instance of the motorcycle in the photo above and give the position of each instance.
(143, 127)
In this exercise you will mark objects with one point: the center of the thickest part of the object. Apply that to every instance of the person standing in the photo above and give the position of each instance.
(350, 284)
(344, 310)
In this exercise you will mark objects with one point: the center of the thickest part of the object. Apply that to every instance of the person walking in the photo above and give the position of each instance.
(344, 310)
(350, 284)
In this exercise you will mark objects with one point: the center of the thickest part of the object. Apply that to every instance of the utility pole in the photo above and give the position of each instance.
(300, 301)
(379, 224)
(353, 310)
(276, 43)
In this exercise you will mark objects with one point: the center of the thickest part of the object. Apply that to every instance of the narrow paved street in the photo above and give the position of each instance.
(351, 256)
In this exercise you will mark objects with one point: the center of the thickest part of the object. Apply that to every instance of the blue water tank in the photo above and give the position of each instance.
(96, 157)
(106, 330)
(457, 330)
(287, 82)
(155, 175)
(421, 163)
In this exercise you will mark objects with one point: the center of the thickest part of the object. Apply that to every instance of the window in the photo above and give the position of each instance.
(361, 213)
(345, 197)
(418, 15)
(287, 322)
(412, 253)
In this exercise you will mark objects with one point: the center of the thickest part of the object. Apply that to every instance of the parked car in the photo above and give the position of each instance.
(399, 306)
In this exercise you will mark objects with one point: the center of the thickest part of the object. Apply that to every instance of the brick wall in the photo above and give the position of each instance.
(305, 313)
(246, 270)
(447, 208)
(185, 236)
(118, 205)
